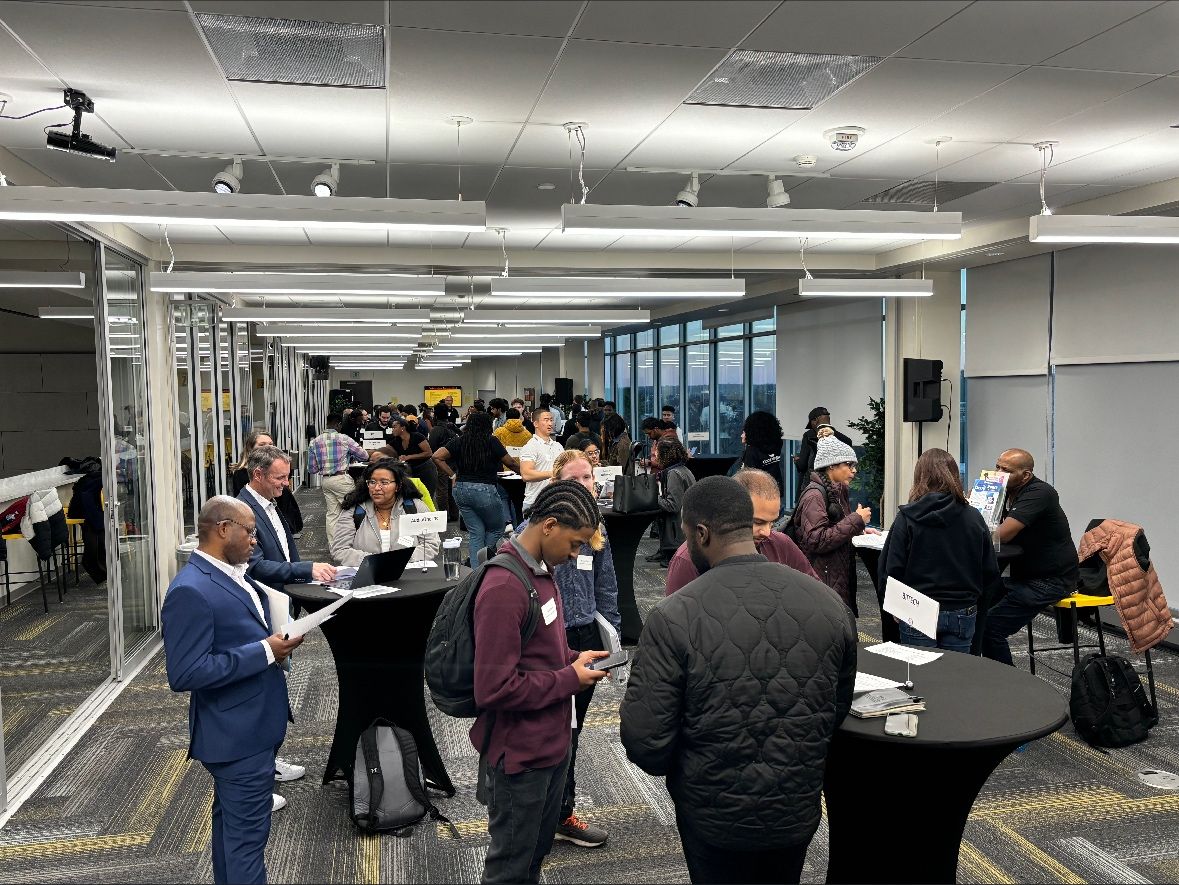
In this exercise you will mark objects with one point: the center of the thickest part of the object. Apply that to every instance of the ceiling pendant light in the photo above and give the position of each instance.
(327, 182)
(38, 279)
(864, 288)
(229, 179)
(1103, 229)
(329, 284)
(618, 287)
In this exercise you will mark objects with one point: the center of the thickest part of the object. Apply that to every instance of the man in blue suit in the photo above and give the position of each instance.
(220, 647)
(275, 561)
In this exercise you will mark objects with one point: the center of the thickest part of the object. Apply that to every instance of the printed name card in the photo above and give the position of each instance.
(410, 525)
(913, 608)
(606, 474)
(514, 451)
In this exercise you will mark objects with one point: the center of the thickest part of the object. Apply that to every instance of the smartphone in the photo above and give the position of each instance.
(615, 660)
(901, 724)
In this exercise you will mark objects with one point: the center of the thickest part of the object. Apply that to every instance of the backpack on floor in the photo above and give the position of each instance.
(1108, 705)
(450, 650)
(387, 790)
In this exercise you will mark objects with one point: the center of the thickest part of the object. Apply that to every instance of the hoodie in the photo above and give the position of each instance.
(942, 548)
(512, 433)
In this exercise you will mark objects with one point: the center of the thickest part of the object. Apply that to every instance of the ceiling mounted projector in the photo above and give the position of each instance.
(77, 141)
(327, 182)
(229, 179)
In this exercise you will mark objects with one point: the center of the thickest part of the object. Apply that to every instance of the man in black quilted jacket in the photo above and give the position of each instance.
(742, 677)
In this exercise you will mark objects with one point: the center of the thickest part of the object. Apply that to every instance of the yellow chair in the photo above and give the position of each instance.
(1071, 604)
(44, 573)
(74, 551)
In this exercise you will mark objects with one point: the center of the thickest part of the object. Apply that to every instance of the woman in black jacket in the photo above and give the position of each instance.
(940, 546)
(762, 437)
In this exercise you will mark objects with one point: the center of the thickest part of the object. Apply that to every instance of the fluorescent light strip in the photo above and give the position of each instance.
(26, 203)
(318, 316)
(866, 288)
(1103, 229)
(617, 287)
(526, 317)
(530, 332)
(304, 332)
(298, 284)
(32, 279)
(831, 224)
(339, 341)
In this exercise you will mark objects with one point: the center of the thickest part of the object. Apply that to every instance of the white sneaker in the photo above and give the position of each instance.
(286, 771)
(277, 802)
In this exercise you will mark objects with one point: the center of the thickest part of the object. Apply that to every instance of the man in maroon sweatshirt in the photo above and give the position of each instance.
(774, 546)
(525, 691)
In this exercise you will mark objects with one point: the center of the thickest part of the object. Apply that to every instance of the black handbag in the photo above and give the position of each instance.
(633, 494)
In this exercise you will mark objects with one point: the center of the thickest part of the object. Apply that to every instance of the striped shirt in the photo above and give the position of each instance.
(331, 452)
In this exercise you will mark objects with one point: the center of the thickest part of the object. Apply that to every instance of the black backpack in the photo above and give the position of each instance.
(450, 650)
(1108, 705)
(387, 790)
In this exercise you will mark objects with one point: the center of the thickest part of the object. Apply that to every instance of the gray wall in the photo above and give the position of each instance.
(48, 410)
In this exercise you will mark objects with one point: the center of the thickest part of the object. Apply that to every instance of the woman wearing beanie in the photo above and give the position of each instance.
(826, 522)
(818, 425)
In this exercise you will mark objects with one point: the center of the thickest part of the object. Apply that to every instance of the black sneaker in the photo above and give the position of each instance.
(654, 557)
(574, 829)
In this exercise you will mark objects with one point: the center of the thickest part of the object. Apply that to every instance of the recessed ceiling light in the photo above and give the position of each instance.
(995, 254)
(546, 186)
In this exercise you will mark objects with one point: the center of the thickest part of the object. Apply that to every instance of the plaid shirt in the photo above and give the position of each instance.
(331, 453)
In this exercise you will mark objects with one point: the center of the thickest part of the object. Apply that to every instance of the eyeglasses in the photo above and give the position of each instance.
(851, 464)
(252, 532)
(383, 483)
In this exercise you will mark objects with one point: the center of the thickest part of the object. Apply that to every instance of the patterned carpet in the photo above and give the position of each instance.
(125, 806)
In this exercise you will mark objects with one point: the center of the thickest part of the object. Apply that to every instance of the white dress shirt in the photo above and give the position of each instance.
(275, 520)
(237, 573)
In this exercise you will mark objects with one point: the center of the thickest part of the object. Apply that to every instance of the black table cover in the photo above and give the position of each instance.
(625, 531)
(515, 490)
(378, 645)
(896, 806)
(710, 465)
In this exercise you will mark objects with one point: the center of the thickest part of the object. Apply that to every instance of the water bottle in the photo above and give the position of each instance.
(452, 557)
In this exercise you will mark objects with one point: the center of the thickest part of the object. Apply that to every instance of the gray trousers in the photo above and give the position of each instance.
(335, 488)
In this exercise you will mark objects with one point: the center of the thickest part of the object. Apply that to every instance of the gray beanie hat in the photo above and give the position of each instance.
(831, 450)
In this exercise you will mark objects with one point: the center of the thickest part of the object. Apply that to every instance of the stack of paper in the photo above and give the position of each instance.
(374, 590)
(885, 701)
(870, 542)
(306, 623)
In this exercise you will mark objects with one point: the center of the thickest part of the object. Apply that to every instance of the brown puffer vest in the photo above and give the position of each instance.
(1132, 580)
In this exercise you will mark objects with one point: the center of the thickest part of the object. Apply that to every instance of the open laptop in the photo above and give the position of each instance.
(377, 568)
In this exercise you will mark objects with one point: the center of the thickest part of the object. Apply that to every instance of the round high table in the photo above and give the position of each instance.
(378, 646)
(710, 465)
(896, 806)
(625, 531)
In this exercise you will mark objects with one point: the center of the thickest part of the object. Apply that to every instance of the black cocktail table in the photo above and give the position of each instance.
(710, 465)
(378, 645)
(625, 531)
(896, 806)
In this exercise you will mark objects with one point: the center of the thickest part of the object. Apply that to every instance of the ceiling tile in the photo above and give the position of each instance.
(834, 193)
(679, 23)
(859, 27)
(1021, 31)
(1145, 44)
(647, 244)
(553, 18)
(516, 202)
(517, 239)
(416, 140)
(347, 237)
(548, 145)
(355, 181)
(307, 121)
(259, 236)
(697, 136)
(367, 12)
(1144, 160)
(179, 233)
(420, 182)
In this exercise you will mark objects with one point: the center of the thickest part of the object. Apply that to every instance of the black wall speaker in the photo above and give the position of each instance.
(321, 366)
(564, 391)
(923, 390)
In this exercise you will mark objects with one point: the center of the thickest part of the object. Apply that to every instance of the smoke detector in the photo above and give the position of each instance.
(844, 138)
(806, 161)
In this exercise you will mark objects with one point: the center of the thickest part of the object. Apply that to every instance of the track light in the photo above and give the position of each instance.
(776, 196)
(77, 141)
(229, 179)
(690, 195)
(327, 182)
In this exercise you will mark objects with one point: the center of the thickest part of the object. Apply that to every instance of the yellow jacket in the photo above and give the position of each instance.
(512, 433)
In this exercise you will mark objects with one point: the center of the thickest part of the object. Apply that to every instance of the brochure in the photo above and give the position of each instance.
(988, 495)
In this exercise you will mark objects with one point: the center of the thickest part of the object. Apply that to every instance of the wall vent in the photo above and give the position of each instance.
(784, 80)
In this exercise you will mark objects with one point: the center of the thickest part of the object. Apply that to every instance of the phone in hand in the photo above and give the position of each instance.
(901, 724)
(615, 660)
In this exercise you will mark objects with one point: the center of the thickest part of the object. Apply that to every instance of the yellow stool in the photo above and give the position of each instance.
(75, 547)
(44, 573)
(1071, 604)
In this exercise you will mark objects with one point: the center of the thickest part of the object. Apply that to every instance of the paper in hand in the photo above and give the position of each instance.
(308, 622)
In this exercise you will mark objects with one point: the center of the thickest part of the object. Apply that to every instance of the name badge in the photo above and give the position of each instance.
(549, 610)
(414, 524)
(585, 562)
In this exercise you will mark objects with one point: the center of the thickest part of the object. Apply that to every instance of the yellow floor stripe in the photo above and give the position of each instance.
(37, 629)
(202, 833)
(478, 827)
(370, 858)
(59, 847)
(160, 792)
(1059, 872)
(981, 869)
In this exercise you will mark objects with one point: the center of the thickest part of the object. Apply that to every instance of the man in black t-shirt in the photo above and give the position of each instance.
(1046, 571)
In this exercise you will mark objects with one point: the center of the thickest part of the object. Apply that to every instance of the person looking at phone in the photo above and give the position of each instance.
(525, 689)
(741, 679)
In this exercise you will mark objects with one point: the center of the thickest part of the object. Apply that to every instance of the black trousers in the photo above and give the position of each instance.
(584, 638)
(521, 820)
(709, 863)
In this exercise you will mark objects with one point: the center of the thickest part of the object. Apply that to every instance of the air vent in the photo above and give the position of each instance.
(785, 80)
(276, 50)
(920, 192)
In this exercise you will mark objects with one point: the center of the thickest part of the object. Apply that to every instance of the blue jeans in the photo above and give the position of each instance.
(1015, 611)
(955, 630)
(482, 508)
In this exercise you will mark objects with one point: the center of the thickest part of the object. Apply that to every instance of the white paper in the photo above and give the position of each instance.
(868, 682)
(911, 607)
(374, 590)
(549, 610)
(507, 474)
(279, 606)
(309, 622)
(410, 525)
(872, 542)
(606, 474)
(514, 451)
(914, 656)
(585, 562)
(421, 564)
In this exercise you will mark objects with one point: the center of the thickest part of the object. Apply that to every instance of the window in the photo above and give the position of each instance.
(644, 339)
(697, 412)
(730, 331)
(624, 342)
(766, 325)
(695, 332)
(763, 374)
(609, 379)
(609, 343)
(730, 395)
(645, 385)
(623, 387)
(669, 335)
(669, 381)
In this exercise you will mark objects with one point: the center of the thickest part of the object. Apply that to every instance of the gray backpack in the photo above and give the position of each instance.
(387, 788)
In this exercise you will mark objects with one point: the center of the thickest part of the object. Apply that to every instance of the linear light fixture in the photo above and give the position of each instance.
(864, 288)
(330, 284)
(1103, 229)
(33, 203)
(318, 316)
(81, 312)
(328, 339)
(526, 332)
(618, 287)
(529, 317)
(373, 331)
(35, 279)
(733, 222)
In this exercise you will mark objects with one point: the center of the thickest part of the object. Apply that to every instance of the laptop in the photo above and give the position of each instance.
(377, 568)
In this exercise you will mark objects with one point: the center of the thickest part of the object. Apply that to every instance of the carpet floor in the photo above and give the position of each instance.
(126, 805)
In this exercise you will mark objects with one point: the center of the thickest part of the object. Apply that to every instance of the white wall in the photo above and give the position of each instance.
(407, 385)
(596, 382)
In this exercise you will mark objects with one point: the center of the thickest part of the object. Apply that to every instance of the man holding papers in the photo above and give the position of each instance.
(221, 648)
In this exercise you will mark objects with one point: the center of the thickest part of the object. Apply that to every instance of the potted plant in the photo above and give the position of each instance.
(869, 481)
